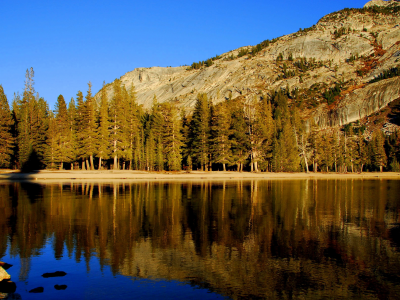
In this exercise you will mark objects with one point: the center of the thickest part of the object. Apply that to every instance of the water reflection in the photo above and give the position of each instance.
(314, 238)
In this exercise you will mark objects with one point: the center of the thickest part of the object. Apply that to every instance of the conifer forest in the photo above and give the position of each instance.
(263, 134)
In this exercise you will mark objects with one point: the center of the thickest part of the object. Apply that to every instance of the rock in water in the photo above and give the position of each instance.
(7, 287)
(54, 274)
(37, 290)
(4, 275)
(60, 287)
(5, 266)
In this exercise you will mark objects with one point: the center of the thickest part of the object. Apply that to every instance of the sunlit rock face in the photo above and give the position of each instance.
(378, 3)
(360, 103)
(368, 34)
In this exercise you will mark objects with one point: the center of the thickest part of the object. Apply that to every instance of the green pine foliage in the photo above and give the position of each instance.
(6, 127)
(172, 137)
(64, 149)
(90, 144)
(200, 132)
(392, 72)
(220, 131)
(263, 133)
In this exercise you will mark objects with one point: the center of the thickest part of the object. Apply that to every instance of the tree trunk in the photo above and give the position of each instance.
(83, 165)
(224, 168)
(123, 166)
(99, 168)
(316, 166)
(381, 168)
(61, 166)
(115, 162)
(87, 164)
(72, 166)
(91, 162)
(303, 150)
(362, 167)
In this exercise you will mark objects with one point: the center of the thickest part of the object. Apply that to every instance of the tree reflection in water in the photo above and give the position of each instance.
(314, 238)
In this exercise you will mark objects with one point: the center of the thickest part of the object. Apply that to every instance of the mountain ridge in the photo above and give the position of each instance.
(351, 47)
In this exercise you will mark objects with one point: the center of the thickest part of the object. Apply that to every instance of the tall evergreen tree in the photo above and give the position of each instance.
(200, 131)
(117, 124)
(103, 150)
(64, 149)
(30, 111)
(326, 153)
(362, 152)
(239, 138)
(172, 138)
(80, 129)
(6, 127)
(52, 146)
(72, 137)
(90, 128)
(379, 158)
(220, 132)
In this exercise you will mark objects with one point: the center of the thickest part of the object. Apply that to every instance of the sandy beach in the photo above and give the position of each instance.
(46, 175)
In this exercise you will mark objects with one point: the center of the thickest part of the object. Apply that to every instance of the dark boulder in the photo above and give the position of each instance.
(7, 286)
(37, 290)
(54, 274)
(60, 287)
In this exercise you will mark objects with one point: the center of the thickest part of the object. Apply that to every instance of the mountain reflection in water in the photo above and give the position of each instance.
(240, 239)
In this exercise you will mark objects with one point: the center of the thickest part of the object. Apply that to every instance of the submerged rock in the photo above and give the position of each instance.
(5, 266)
(37, 290)
(60, 287)
(7, 287)
(54, 274)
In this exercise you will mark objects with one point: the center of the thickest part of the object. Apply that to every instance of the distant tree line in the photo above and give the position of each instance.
(264, 133)
(386, 74)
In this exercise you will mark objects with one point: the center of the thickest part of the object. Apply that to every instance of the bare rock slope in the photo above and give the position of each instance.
(351, 47)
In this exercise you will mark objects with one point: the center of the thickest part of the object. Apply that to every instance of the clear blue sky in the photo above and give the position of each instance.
(69, 43)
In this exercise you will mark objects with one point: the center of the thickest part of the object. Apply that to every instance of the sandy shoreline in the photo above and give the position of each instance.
(45, 175)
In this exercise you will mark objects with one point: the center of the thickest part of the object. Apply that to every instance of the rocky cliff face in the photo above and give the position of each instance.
(370, 36)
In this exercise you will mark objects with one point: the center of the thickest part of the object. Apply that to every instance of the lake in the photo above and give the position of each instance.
(277, 239)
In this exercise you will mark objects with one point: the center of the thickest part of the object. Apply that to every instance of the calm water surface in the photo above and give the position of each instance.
(315, 239)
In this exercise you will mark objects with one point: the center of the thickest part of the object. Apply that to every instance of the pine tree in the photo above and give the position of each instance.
(288, 150)
(301, 137)
(6, 127)
(315, 146)
(239, 138)
(90, 128)
(117, 124)
(63, 152)
(103, 150)
(362, 152)
(52, 147)
(172, 138)
(29, 112)
(136, 129)
(79, 128)
(200, 131)
(379, 158)
(72, 138)
(220, 132)
(326, 154)
(156, 127)
(260, 130)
